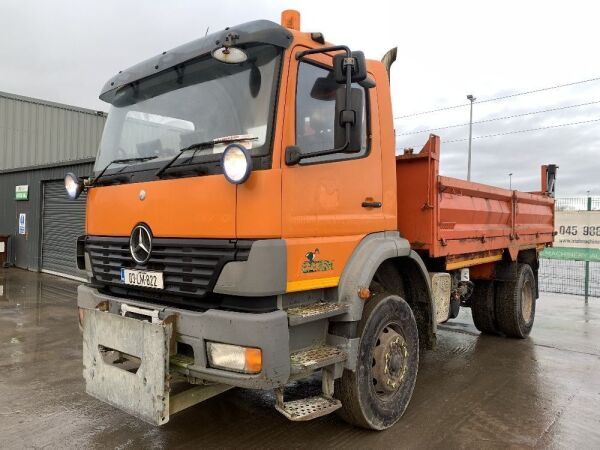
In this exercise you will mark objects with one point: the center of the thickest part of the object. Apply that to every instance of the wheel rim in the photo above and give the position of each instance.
(390, 362)
(526, 300)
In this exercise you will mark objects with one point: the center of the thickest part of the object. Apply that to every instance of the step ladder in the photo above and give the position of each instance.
(307, 408)
(312, 407)
(315, 358)
(321, 357)
(308, 313)
(308, 360)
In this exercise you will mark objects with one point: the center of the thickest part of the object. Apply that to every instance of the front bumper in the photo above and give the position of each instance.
(267, 331)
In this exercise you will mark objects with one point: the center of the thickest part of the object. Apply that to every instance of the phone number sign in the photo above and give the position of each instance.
(577, 236)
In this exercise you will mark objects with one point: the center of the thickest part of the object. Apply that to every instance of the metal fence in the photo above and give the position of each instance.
(569, 277)
(577, 203)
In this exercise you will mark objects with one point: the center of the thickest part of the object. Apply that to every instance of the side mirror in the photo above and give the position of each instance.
(359, 67)
(348, 115)
(347, 132)
(348, 67)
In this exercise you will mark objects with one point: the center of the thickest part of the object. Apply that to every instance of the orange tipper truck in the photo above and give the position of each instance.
(249, 224)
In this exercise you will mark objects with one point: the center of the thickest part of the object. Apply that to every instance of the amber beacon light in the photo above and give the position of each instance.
(290, 18)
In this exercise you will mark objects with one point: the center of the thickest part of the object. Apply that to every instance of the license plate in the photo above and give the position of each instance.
(142, 278)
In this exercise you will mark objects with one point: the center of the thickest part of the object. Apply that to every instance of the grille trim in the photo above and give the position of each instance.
(190, 267)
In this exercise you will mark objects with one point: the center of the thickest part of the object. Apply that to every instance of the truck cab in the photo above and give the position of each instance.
(242, 231)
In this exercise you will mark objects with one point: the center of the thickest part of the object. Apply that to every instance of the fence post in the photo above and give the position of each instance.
(587, 262)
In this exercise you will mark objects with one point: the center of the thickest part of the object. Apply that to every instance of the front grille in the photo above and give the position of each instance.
(190, 267)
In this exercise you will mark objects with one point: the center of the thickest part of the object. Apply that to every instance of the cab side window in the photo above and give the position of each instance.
(315, 114)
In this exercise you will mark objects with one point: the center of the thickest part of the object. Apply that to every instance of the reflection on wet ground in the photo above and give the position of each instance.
(473, 391)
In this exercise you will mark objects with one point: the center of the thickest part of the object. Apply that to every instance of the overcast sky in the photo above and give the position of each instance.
(65, 50)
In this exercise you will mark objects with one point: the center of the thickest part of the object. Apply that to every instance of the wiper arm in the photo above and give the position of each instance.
(203, 145)
(122, 161)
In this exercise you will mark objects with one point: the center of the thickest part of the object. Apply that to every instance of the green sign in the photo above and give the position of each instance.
(22, 192)
(572, 253)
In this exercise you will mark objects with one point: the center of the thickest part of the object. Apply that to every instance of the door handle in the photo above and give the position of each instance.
(370, 204)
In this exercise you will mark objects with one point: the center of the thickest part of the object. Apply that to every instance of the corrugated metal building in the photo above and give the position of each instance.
(39, 142)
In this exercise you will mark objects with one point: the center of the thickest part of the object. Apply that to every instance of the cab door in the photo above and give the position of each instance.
(329, 203)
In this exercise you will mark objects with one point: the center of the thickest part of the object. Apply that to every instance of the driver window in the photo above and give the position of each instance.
(315, 114)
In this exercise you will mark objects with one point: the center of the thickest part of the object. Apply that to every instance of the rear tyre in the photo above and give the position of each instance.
(376, 395)
(482, 307)
(515, 303)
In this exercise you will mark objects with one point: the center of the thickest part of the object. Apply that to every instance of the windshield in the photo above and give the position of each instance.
(195, 102)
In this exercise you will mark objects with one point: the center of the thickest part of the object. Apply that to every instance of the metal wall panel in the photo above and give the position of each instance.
(25, 250)
(36, 132)
(63, 221)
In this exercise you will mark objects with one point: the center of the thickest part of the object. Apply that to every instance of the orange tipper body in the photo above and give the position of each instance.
(247, 203)
(467, 223)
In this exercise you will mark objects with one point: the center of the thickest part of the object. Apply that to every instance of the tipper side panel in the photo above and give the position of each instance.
(416, 196)
(449, 217)
(534, 218)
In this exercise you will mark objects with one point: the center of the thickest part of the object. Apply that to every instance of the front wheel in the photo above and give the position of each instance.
(376, 395)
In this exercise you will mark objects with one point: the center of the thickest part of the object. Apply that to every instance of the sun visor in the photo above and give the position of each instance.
(258, 31)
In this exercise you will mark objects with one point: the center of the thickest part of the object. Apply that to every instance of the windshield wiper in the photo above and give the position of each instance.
(203, 145)
(122, 161)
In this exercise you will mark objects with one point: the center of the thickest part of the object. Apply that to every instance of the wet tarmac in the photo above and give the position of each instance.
(472, 392)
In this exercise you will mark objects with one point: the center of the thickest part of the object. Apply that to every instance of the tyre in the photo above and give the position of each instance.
(515, 303)
(376, 395)
(482, 307)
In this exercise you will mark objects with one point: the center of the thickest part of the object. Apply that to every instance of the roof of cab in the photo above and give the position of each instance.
(258, 31)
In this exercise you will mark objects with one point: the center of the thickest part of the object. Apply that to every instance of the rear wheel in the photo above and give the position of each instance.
(515, 303)
(482, 307)
(376, 395)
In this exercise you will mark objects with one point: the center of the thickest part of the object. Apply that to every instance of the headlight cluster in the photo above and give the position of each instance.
(234, 357)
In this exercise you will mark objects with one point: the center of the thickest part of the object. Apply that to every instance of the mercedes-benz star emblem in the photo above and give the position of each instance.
(140, 244)
(142, 195)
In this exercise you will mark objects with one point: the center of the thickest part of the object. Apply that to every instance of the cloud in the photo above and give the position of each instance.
(575, 148)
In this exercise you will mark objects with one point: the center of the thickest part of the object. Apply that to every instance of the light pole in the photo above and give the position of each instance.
(510, 181)
(471, 99)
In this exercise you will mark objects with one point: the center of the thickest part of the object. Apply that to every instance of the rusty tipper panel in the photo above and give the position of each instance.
(447, 216)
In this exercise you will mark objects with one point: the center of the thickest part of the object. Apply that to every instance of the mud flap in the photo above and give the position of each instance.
(144, 392)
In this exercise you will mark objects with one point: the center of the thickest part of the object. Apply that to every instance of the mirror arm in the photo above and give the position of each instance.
(312, 51)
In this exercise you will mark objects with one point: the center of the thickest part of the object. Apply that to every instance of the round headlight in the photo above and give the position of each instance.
(73, 185)
(237, 163)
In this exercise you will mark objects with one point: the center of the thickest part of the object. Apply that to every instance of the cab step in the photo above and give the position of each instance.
(308, 408)
(315, 358)
(316, 311)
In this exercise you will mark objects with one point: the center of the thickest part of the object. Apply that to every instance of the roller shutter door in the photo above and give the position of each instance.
(63, 221)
